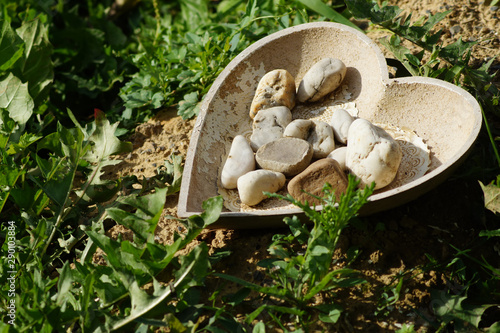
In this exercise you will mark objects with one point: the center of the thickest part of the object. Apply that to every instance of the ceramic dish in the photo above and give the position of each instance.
(435, 122)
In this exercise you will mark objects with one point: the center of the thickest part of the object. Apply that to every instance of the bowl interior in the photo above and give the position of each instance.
(446, 117)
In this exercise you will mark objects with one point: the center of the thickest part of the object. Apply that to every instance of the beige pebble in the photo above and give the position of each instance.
(252, 185)
(322, 78)
(372, 154)
(276, 88)
(239, 161)
(269, 125)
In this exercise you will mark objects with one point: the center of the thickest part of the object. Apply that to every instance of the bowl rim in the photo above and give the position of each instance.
(226, 216)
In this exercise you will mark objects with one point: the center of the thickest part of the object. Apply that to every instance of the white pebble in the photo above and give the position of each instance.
(240, 161)
(340, 121)
(252, 185)
(372, 154)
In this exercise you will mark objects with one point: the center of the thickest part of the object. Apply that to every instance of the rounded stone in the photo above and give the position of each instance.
(286, 155)
(322, 78)
(269, 125)
(298, 128)
(275, 88)
(313, 179)
(372, 154)
(321, 139)
(252, 185)
(340, 121)
(239, 161)
(339, 155)
(318, 133)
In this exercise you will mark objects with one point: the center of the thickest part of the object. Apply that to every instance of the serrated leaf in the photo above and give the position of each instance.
(11, 47)
(455, 308)
(105, 143)
(491, 197)
(189, 107)
(36, 65)
(15, 97)
(142, 302)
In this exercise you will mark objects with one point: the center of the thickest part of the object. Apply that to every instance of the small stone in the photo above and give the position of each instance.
(318, 133)
(286, 155)
(269, 125)
(339, 155)
(276, 88)
(372, 154)
(239, 161)
(340, 121)
(321, 139)
(321, 79)
(455, 30)
(252, 185)
(493, 8)
(299, 128)
(314, 177)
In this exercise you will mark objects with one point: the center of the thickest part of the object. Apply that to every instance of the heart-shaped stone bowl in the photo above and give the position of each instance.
(445, 118)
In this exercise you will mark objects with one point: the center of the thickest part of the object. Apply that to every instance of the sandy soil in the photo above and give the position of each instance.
(390, 242)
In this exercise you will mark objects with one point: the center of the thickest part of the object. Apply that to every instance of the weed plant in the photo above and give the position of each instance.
(62, 61)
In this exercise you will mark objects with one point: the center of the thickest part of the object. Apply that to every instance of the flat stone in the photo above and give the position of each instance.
(275, 88)
(286, 155)
(252, 185)
(269, 125)
(322, 78)
(314, 177)
(372, 154)
(239, 161)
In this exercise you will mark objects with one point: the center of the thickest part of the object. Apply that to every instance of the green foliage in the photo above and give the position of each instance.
(178, 56)
(297, 276)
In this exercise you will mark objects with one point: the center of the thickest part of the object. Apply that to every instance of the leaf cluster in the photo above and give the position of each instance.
(300, 266)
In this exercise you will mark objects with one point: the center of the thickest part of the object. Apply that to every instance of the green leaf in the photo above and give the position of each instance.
(329, 313)
(142, 302)
(321, 8)
(491, 197)
(15, 97)
(36, 66)
(189, 107)
(455, 308)
(260, 327)
(11, 47)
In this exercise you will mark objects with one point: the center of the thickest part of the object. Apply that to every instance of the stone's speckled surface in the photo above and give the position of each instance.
(252, 185)
(239, 161)
(276, 88)
(286, 155)
(372, 154)
(314, 177)
(321, 79)
(269, 125)
(340, 121)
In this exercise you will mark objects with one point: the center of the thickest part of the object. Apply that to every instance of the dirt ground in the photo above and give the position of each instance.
(389, 242)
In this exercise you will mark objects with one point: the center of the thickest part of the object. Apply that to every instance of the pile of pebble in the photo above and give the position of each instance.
(308, 152)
